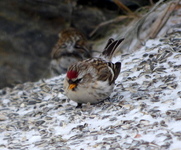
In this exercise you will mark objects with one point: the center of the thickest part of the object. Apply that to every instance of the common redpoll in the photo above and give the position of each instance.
(92, 80)
(71, 47)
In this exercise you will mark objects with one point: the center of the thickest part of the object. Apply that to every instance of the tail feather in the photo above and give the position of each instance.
(110, 48)
(116, 68)
(111, 40)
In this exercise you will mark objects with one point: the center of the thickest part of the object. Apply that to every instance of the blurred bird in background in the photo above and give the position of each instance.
(72, 46)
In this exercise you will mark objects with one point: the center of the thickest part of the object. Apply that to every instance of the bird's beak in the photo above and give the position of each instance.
(72, 85)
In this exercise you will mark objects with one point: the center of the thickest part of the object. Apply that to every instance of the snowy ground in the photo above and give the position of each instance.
(144, 112)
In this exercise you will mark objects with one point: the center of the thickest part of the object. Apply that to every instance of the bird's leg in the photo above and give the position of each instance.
(79, 105)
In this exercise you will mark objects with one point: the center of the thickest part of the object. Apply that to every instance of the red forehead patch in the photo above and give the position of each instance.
(72, 74)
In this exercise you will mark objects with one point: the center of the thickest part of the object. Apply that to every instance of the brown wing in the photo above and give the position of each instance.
(103, 70)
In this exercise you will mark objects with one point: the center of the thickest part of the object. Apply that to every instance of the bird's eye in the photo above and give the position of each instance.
(74, 81)
(78, 80)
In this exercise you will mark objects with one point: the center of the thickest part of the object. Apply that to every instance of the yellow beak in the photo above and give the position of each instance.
(71, 86)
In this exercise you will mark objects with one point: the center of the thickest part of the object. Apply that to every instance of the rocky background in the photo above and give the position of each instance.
(29, 29)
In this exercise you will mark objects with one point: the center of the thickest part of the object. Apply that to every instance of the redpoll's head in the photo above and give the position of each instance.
(72, 79)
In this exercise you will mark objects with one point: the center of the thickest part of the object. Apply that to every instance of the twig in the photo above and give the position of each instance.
(162, 19)
(123, 7)
(117, 19)
(151, 2)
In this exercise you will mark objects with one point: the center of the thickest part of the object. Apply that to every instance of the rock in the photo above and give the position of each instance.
(29, 29)
(2, 117)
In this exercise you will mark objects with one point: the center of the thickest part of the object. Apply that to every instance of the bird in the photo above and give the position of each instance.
(92, 80)
(72, 46)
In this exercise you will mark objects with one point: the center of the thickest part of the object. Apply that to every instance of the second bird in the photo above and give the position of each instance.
(72, 46)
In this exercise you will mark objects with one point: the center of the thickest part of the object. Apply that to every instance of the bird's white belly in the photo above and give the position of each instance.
(91, 94)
